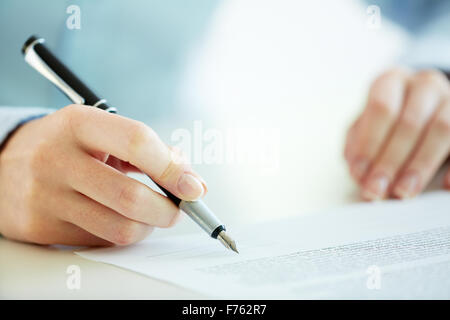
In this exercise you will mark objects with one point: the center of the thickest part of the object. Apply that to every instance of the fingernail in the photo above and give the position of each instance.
(359, 168)
(205, 186)
(407, 186)
(190, 187)
(375, 188)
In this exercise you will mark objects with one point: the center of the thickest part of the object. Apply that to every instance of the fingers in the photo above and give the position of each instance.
(101, 221)
(424, 96)
(350, 139)
(121, 193)
(134, 142)
(429, 156)
(384, 104)
(70, 234)
(120, 165)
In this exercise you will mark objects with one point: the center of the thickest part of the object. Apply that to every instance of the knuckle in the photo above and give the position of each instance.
(140, 135)
(430, 78)
(71, 116)
(127, 233)
(174, 220)
(130, 198)
(382, 100)
(392, 74)
(177, 156)
(172, 172)
(72, 111)
(381, 108)
(409, 123)
(442, 126)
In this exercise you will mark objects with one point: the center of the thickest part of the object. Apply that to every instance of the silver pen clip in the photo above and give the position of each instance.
(34, 60)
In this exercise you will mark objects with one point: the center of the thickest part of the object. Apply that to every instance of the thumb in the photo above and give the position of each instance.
(134, 142)
(180, 179)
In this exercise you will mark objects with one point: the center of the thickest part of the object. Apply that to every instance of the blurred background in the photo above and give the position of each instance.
(299, 70)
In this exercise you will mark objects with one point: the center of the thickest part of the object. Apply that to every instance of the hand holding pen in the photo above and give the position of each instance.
(67, 194)
(69, 172)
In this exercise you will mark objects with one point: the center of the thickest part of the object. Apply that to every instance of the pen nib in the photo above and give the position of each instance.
(227, 241)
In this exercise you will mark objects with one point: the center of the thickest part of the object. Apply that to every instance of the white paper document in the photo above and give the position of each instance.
(390, 250)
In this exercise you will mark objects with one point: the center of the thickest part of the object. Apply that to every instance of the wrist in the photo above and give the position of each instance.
(17, 127)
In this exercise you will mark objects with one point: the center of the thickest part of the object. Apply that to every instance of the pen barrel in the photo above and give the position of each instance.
(169, 195)
(37, 45)
(199, 212)
(203, 216)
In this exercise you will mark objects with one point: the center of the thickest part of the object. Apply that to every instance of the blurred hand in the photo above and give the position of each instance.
(56, 188)
(402, 136)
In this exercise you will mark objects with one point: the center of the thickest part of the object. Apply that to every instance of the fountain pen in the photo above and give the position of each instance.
(45, 62)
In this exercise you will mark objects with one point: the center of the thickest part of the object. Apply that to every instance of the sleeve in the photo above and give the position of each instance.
(12, 117)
